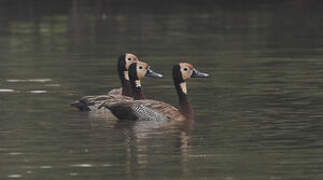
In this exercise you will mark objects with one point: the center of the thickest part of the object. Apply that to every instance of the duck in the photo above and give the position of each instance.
(124, 62)
(153, 110)
(88, 103)
(137, 72)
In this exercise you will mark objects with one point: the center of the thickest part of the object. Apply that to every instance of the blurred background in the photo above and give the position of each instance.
(257, 117)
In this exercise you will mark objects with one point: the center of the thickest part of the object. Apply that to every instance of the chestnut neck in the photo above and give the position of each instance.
(185, 106)
(126, 87)
(137, 92)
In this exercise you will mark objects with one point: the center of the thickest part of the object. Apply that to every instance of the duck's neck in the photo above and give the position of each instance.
(126, 87)
(137, 92)
(184, 103)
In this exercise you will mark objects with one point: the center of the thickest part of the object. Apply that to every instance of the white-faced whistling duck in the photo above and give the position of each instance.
(157, 110)
(88, 103)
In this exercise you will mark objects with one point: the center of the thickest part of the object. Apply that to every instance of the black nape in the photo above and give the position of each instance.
(133, 72)
(121, 65)
(177, 75)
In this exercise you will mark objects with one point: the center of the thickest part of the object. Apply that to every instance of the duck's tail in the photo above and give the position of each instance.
(88, 102)
(84, 103)
(81, 106)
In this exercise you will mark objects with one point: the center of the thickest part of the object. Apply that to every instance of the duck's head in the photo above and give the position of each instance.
(184, 71)
(140, 69)
(124, 62)
(126, 59)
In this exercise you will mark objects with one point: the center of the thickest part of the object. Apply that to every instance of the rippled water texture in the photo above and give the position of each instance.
(259, 116)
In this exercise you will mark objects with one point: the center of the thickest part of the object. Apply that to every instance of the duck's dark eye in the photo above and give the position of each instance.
(140, 67)
(129, 59)
(185, 69)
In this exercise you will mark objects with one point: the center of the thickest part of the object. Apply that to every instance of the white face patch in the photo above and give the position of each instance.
(186, 71)
(183, 87)
(138, 84)
(141, 70)
(130, 58)
(126, 75)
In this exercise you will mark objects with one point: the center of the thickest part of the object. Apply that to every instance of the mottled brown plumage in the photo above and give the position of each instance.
(88, 103)
(157, 110)
(145, 110)
(138, 70)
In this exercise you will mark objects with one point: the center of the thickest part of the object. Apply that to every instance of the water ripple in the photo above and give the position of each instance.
(14, 176)
(38, 91)
(46, 167)
(15, 153)
(40, 80)
(73, 174)
(52, 85)
(82, 165)
(6, 90)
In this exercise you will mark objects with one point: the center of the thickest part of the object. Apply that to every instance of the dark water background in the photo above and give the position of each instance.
(258, 117)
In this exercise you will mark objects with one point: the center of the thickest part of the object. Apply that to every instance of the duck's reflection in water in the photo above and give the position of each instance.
(147, 142)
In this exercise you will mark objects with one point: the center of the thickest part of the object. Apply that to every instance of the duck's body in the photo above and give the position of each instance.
(137, 71)
(157, 110)
(146, 110)
(92, 103)
(116, 91)
(88, 103)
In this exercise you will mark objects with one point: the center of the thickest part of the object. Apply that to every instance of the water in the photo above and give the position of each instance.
(257, 117)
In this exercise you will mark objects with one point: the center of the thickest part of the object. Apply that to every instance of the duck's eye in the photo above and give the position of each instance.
(129, 59)
(185, 69)
(140, 67)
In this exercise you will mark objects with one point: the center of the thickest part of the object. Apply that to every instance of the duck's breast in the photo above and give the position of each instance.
(146, 110)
